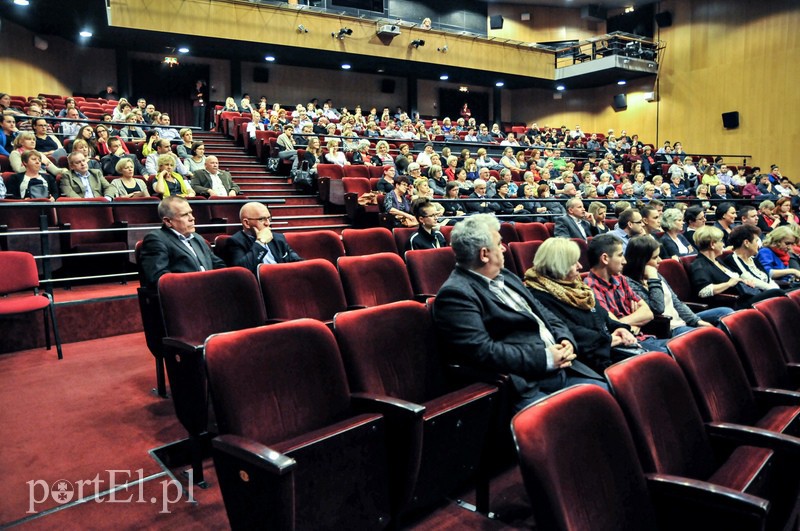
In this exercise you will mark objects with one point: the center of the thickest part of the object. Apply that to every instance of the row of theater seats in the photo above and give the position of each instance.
(704, 439)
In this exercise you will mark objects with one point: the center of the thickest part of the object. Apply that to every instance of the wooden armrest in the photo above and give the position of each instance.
(768, 397)
(254, 453)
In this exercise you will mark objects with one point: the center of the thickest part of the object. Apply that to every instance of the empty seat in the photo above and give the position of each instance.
(92, 223)
(295, 452)
(782, 315)
(356, 170)
(374, 279)
(523, 253)
(428, 269)
(360, 242)
(316, 244)
(435, 447)
(527, 232)
(136, 210)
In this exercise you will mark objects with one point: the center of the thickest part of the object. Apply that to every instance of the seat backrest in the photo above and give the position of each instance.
(715, 374)
(25, 217)
(356, 170)
(20, 272)
(374, 279)
(795, 296)
(585, 423)
(229, 211)
(357, 185)
(527, 232)
(677, 278)
(782, 315)
(428, 269)
(97, 216)
(523, 253)
(310, 288)
(390, 350)
(401, 237)
(221, 247)
(316, 244)
(583, 258)
(508, 233)
(136, 214)
(758, 348)
(669, 440)
(334, 171)
(376, 171)
(360, 242)
(196, 305)
(272, 383)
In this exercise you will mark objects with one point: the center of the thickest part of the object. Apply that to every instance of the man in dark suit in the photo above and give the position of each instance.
(212, 182)
(577, 223)
(256, 244)
(479, 192)
(486, 317)
(175, 248)
(83, 182)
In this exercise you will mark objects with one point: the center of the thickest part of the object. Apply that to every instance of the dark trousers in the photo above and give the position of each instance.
(199, 113)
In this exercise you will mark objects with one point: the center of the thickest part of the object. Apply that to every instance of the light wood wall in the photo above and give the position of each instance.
(546, 23)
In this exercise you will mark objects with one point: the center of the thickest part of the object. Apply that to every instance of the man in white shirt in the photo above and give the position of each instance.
(163, 148)
(212, 182)
(166, 132)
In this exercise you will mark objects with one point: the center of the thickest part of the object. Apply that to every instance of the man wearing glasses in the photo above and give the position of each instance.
(629, 224)
(256, 244)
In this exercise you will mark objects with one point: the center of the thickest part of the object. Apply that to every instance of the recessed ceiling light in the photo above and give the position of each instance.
(499, 84)
(269, 58)
(345, 66)
(444, 77)
(561, 87)
(622, 82)
(85, 34)
(183, 49)
(22, 2)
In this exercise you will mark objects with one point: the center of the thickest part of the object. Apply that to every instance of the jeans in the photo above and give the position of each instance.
(712, 315)
(561, 380)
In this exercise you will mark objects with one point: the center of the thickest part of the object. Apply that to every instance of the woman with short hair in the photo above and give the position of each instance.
(746, 241)
(126, 185)
(775, 254)
(169, 182)
(184, 150)
(673, 243)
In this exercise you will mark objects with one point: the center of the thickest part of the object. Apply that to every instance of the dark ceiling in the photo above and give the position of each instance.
(66, 18)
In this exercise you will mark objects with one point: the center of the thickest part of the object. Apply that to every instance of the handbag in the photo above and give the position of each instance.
(302, 178)
(272, 164)
(38, 190)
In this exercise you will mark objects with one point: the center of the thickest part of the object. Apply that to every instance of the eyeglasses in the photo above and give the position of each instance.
(263, 219)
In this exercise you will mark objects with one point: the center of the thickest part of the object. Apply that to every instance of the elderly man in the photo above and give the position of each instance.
(577, 223)
(486, 317)
(212, 182)
(83, 182)
(175, 248)
(256, 244)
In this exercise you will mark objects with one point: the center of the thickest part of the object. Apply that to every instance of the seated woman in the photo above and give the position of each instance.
(726, 217)
(31, 183)
(334, 155)
(132, 132)
(197, 159)
(509, 160)
(673, 243)
(783, 209)
(127, 185)
(642, 256)
(436, 179)
(505, 207)
(710, 277)
(169, 182)
(484, 160)
(775, 254)
(421, 190)
(313, 155)
(382, 156)
(86, 133)
(746, 241)
(24, 142)
(450, 171)
(599, 211)
(701, 192)
(230, 105)
(361, 155)
(387, 182)
(102, 135)
(767, 219)
(397, 205)
(555, 281)
(184, 150)
(453, 208)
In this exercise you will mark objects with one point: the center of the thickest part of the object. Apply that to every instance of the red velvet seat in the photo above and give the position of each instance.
(136, 210)
(21, 275)
(359, 215)
(310, 288)
(88, 219)
(316, 244)
(583, 246)
(678, 279)
(795, 296)
(428, 269)
(152, 323)
(760, 351)
(375, 171)
(523, 253)
(295, 452)
(194, 306)
(227, 212)
(374, 279)
(783, 315)
(438, 433)
(528, 232)
(610, 493)
(671, 439)
(360, 242)
(333, 171)
(401, 237)
(356, 170)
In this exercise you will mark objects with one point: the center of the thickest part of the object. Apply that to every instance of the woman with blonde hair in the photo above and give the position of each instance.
(184, 150)
(382, 156)
(776, 254)
(169, 182)
(24, 142)
(334, 156)
(126, 185)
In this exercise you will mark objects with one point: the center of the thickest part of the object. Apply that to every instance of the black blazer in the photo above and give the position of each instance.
(14, 181)
(162, 252)
(474, 326)
(669, 248)
(566, 227)
(473, 207)
(244, 252)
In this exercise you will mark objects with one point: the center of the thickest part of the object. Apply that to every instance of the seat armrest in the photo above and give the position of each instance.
(275, 321)
(767, 397)
(464, 375)
(794, 373)
(389, 406)
(423, 297)
(183, 345)
(750, 436)
(659, 327)
(254, 453)
(696, 306)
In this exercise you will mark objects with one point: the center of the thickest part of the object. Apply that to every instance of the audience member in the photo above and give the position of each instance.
(428, 235)
(31, 183)
(673, 243)
(163, 148)
(24, 142)
(577, 223)
(127, 185)
(746, 242)
(84, 182)
(169, 182)
(212, 182)
(775, 254)
(629, 224)
(256, 243)
(397, 205)
(695, 217)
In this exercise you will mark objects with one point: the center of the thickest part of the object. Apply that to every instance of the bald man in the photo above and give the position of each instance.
(211, 182)
(256, 244)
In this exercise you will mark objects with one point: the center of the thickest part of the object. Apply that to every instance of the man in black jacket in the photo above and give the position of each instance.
(256, 244)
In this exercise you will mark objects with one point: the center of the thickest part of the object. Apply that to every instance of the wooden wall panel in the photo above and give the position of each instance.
(546, 24)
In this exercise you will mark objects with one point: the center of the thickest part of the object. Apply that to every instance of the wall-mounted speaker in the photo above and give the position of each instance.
(664, 19)
(260, 75)
(730, 120)
(387, 86)
(496, 22)
(620, 102)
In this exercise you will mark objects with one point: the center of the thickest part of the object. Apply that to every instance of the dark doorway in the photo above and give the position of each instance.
(169, 89)
(452, 100)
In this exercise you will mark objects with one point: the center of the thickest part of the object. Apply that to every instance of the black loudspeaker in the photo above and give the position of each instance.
(260, 75)
(496, 22)
(387, 86)
(730, 120)
(664, 19)
(620, 102)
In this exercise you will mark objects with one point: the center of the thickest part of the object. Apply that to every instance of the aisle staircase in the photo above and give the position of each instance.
(298, 213)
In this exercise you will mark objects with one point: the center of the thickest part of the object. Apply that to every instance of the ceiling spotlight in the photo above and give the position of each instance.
(622, 82)
(463, 88)
(499, 84)
(443, 49)
(85, 34)
(345, 66)
(301, 29)
(444, 77)
(21, 2)
(343, 32)
(416, 43)
(183, 49)
(269, 58)
(560, 88)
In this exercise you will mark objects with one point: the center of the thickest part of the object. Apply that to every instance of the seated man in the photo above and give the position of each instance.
(166, 132)
(479, 192)
(8, 130)
(109, 162)
(428, 235)
(629, 224)
(485, 316)
(163, 148)
(577, 223)
(612, 291)
(175, 248)
(83, 182)
(256, 244)
(70, 129)
(212, 182)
